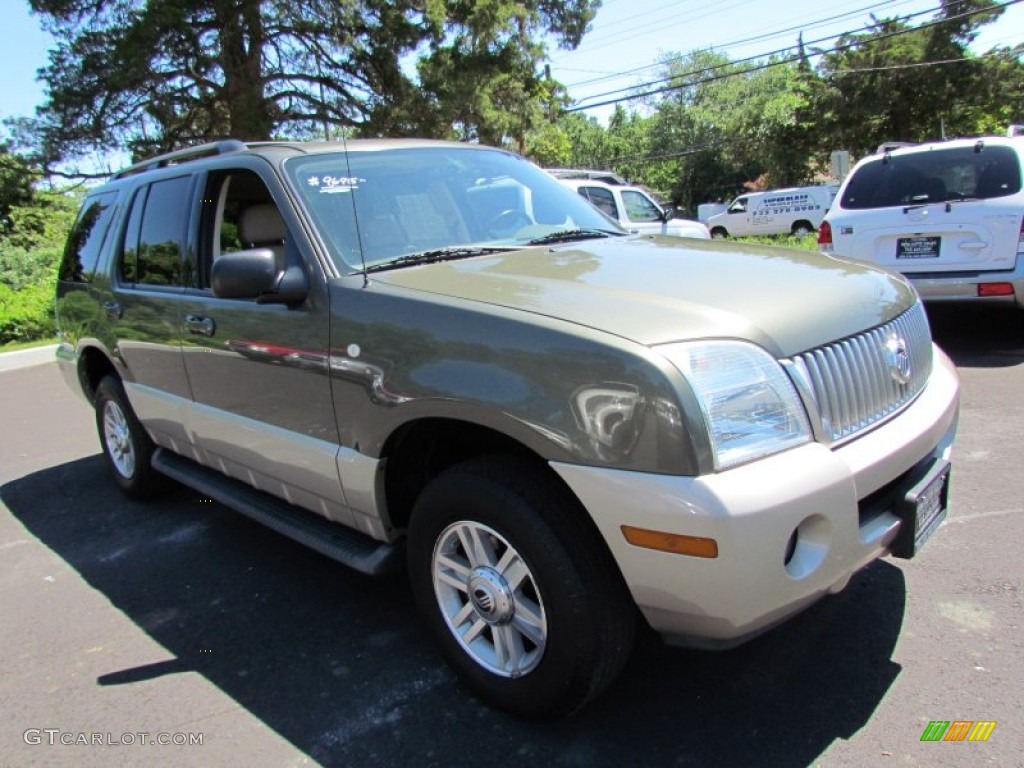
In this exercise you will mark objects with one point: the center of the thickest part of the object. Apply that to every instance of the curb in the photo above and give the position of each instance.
(25, 358)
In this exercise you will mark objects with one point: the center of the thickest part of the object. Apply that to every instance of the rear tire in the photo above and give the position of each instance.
(802, 228)
(518, 590)
(127, 447)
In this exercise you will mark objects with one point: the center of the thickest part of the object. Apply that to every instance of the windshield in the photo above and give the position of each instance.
(378, 205)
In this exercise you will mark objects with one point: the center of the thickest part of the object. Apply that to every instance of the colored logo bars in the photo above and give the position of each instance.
(958, 730)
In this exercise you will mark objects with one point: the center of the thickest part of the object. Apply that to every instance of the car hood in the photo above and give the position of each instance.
(654, 290)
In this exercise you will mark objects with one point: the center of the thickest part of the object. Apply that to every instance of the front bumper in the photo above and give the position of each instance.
(828, 496)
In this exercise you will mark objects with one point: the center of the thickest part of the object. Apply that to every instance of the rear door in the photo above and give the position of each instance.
(955, 209)
(147, 299)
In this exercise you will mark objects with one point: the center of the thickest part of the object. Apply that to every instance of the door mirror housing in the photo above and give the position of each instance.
(254, 274)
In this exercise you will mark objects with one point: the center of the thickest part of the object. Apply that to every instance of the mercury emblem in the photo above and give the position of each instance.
(898, 359)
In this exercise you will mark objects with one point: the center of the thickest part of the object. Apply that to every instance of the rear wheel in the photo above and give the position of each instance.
(801, 228)
(520, 593)
(126, 446)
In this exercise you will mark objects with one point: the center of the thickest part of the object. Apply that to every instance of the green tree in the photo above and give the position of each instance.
(16, 179)
(724, 126)
(900, 83)
(149, 75)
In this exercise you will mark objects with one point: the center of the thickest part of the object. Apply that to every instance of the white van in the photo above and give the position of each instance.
(949, 215)
(794, 211)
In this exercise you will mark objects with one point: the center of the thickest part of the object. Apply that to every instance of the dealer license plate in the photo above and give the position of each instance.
(918, 247)
(924, 508)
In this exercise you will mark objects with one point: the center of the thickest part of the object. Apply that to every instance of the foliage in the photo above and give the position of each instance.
(33, 227)
(16, 178)
(149, 75)
(798, 242)
(877, 87)
(26, 314)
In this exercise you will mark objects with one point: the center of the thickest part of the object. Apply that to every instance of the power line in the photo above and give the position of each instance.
(757, 57)
(913, 65)
(770, 64)
(734, 43)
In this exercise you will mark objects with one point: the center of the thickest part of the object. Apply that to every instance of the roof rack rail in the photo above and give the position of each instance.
(608, 177)
(889, 146)
(222, 147)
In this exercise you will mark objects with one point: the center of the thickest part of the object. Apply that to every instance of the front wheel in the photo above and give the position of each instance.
(126, 446)
(517, 589)
(718, 233)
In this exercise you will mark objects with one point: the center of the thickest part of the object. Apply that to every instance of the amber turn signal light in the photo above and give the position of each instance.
(674, 543)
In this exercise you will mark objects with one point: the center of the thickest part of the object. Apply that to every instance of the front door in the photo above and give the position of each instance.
(259, 372)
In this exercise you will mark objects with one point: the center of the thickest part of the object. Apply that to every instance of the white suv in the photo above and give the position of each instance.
(948, 215)
(631, 206)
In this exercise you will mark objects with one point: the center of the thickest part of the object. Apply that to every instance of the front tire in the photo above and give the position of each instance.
(127, 447)
(517, 588)
(719, 233)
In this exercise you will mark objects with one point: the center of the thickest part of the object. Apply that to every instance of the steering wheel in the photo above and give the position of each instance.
(510, 219)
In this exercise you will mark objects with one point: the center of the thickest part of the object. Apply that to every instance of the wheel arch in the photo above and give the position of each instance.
(93, 365)
(419, 450)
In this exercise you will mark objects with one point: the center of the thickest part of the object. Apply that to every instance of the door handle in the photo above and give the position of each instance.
(200, 326)
(114, 310)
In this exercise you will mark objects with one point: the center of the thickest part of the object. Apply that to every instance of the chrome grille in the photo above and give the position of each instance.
(855, 382)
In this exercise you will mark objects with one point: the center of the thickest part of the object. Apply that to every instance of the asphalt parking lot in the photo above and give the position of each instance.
(179, 619)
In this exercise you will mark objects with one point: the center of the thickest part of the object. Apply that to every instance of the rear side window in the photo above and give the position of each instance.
(86, 238)
(602, 198)
(935, 176)
(155, 236)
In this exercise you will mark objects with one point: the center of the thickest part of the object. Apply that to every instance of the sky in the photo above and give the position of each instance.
(626, 35)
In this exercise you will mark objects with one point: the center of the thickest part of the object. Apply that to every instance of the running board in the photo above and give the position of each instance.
(334, 540)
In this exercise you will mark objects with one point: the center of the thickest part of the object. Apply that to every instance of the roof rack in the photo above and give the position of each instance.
(889, 146)
(222, 147)
(608, 177)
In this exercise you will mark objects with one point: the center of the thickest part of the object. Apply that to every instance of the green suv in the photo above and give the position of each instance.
(435, 355)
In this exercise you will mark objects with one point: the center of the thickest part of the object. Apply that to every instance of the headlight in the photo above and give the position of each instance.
(749, 404)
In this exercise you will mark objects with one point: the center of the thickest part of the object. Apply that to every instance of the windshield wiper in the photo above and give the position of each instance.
(570, 235)
(435, 255)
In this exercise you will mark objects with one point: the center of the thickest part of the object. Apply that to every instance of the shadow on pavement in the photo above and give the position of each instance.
(977, 336)
(336, 663)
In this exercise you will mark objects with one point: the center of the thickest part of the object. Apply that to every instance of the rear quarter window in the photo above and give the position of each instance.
(934, 176)
(86, 239)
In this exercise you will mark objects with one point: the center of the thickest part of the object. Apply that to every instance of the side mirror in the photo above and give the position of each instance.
(668, 212)
(253, 274)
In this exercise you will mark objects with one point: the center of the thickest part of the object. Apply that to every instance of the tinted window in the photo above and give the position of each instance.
(162, 238)
(934, 176)
(130, 247)
(602, 198)
(83, 248)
